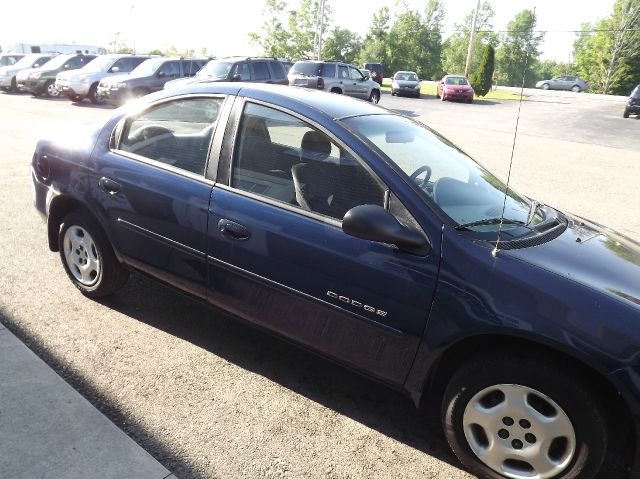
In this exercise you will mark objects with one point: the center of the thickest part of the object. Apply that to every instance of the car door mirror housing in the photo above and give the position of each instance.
(115, 69)
(374, 223)
(236, 77)
(161, 74)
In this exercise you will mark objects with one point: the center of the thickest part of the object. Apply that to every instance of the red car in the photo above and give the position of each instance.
(455, 87)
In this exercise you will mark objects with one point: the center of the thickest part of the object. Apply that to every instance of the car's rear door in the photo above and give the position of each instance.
(153, 188)
(278, 256)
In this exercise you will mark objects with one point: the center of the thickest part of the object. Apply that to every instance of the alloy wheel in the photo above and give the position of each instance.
(81, 255)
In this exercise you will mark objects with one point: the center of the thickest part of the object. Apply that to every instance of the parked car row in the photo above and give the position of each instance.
(116, 78)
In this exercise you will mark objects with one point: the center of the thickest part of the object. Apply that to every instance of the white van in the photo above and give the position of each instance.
(55, 48)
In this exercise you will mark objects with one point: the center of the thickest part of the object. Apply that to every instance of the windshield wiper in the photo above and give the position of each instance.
(490, 221)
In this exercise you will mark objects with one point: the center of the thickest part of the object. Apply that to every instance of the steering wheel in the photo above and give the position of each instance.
(149, 131)
(414, 176)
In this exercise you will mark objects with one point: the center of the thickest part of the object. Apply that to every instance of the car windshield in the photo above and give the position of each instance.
(27, 61)
(406, 76)
(148, 67)
(57, 62)
(464, 190)
(216, 69)
(456, 81)
(98, 64)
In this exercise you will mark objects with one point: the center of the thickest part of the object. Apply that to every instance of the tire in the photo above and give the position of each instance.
(14, 85)
(575, 89)
(470, 100)
(336, 91)
(545, 86)
(87, 256)
(92, 96)
(537, 396)
(50, 89)
(625, 114)
(140, 92)
(374, 97)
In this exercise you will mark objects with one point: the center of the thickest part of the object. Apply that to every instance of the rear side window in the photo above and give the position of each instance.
(169, 70)
(175, 133)
(278, 70)
(191, 67)
(261, 71)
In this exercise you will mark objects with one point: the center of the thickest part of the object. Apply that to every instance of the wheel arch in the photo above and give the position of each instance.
(622, 423)
(60, 207)
(336, 89)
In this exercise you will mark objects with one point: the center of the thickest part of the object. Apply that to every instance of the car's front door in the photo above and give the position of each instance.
(154, 191)
(360, 87)
(279, 257)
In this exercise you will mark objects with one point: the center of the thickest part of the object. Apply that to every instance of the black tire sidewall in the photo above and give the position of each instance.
(570, 394)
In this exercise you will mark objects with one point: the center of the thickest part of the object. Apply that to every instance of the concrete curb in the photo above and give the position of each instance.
(49, 430)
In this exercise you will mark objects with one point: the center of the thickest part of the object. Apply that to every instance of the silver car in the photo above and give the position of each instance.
(565, 82)
(334, 77)
(83, 83)
(8, 74)
(405, 83)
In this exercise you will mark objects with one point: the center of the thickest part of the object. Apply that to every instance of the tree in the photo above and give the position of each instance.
(550, 68)
(454, 49)
(374, 48)
(274, 38)
(482, 79)
(342, 44)
(608, 55)
(303, 29)
(414, 42)
(518, 54)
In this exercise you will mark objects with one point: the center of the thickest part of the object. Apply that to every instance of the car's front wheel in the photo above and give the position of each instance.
(374, 97)
(520, 417)
(87, 256)
(51, 90)
(625, 114)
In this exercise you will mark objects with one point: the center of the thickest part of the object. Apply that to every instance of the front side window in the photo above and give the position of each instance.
(283, 158)
(242, 69)
(169, 70)
(355, 74)
(175, 133)
(125, 65)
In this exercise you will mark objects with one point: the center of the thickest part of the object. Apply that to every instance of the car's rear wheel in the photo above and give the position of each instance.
(374, 97)
(336, 90)
(625, 114)
(519, 417)
(14, 85)
(575, 88)
(545, 86)
(87, 256)
(51, 90)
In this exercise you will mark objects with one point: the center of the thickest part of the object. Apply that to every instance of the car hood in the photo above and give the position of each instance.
(406, 82)
(593, 255)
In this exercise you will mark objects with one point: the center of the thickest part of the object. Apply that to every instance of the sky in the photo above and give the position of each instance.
(223, 26)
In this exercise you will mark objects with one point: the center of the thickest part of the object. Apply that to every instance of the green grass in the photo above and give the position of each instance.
(430, 89)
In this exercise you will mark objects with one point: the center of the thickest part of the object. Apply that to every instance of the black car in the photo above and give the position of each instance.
(376, 71)
(150, 76)
(245, 69)
(633, 104)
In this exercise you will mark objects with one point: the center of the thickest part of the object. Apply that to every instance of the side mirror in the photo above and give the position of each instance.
(36, 65)
(66, 67)
(115, 69)
(236, 77)
(374, 223)
(161, 74)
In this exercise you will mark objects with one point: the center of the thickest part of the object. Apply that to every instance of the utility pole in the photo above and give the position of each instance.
(471, 37)
(319, 30)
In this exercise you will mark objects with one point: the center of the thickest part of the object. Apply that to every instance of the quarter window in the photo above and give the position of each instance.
(285, 159)
(169, 69)
(176, 133)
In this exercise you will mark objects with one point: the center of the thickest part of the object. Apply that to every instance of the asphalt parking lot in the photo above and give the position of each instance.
(208, 397)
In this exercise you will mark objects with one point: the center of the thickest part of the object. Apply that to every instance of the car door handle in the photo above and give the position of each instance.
(233, 230)
(109, 186)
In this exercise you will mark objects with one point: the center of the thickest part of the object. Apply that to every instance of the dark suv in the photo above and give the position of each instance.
(246, 69)
(376, 71)
(42, 81)
(149, 76)
(633, 104)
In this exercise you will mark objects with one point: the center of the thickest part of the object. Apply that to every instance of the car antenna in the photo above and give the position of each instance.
(496, 249)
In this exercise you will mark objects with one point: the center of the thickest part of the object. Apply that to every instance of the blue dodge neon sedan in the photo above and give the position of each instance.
(366, 237)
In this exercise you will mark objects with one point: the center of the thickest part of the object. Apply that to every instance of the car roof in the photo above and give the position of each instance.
(329, 104)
